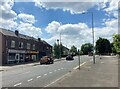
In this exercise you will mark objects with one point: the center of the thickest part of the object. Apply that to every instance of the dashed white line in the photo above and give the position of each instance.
(29, 80)
(17, 84)
(55, 70)
(58, 69)
(45, 74)
(38, 76)
(50, 72)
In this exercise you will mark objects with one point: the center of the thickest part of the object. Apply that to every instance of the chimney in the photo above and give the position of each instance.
(16, 32)
(39, 39)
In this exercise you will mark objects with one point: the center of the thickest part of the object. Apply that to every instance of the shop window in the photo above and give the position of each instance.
(34, 47)
(28, 46)
(13, 44)
(20, 44)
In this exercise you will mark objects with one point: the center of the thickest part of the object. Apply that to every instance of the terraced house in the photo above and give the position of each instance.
(17, 48)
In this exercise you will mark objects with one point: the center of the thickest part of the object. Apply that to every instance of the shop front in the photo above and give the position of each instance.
(15, 56)
(31, 56)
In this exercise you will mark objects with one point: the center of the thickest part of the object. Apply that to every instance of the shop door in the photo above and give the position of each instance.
(17, 57)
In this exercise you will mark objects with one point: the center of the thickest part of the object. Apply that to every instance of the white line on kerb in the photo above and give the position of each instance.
(17, 84)
(80, 65)
(38, 76)
(30, 80)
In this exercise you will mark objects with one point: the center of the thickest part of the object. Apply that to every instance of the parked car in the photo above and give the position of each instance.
(69, 57)
(46, 60)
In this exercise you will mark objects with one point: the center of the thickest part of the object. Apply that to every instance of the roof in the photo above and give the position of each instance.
(12, 33)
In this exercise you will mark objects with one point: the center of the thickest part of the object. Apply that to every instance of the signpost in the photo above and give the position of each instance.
(79, 58)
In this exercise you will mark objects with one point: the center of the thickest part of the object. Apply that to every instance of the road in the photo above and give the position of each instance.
(39, 75)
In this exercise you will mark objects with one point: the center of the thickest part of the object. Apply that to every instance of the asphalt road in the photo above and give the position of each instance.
(39, 75)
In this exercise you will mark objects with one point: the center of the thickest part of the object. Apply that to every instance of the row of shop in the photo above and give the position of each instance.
(18, 56)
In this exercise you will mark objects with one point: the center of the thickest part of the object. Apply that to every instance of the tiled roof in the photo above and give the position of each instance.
(11, 33)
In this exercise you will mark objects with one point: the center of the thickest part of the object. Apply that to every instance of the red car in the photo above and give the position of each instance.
(46, 60)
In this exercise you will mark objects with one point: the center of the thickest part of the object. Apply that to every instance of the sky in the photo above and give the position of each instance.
(73, 20)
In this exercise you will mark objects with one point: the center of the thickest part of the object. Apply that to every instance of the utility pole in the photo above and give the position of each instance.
(60, 45)
(79, 58)
(93, 39)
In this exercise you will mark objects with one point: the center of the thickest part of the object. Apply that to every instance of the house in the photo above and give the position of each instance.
(17, 48)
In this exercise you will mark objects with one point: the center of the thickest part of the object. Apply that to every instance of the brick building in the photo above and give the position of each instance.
(16, 47)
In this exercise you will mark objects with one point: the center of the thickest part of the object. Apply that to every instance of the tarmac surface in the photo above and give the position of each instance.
(104, 73)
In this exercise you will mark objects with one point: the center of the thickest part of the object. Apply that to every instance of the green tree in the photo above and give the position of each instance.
(86, 48)
(73, 50)
(58, 50)
(116, 42)
(113, 48)
(103, 46)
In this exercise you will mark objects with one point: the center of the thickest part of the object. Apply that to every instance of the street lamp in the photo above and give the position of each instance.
(59, 47)
(92, 36)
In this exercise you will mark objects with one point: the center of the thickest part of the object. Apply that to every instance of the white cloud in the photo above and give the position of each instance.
(29, 29)
(8, 24)
(73, 7)
(5, 10)
(78, 34)
(52, 27)
(26, 18)
(112, 9)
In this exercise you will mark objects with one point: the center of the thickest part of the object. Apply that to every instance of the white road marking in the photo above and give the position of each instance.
(62, 68)
(45, 74)
(30, 80)
(26, 72)
(50, 72)
(58, 69)
(17, 84)
(55, 80)
(55, 70)
(38, 76)
(80, 65)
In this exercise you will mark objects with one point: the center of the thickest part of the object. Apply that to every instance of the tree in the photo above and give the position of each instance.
(116, 42)
(73, 50)
(113, 48)
(86, 48)
(57, 50)
(103, 46)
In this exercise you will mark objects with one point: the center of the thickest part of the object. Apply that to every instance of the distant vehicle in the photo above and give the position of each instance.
(46, 60)
(69, 57)
(90, 53)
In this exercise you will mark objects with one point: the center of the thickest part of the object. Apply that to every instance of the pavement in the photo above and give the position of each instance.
(22, 65)
(104, 73)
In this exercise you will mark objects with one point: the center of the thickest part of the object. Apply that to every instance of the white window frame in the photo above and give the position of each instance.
(28, 45)
(13, 44)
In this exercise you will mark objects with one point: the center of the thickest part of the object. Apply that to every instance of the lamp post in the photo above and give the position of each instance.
(58, 46)
(92, 35)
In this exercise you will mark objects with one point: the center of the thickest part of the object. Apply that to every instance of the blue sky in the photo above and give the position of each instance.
(48, 20)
